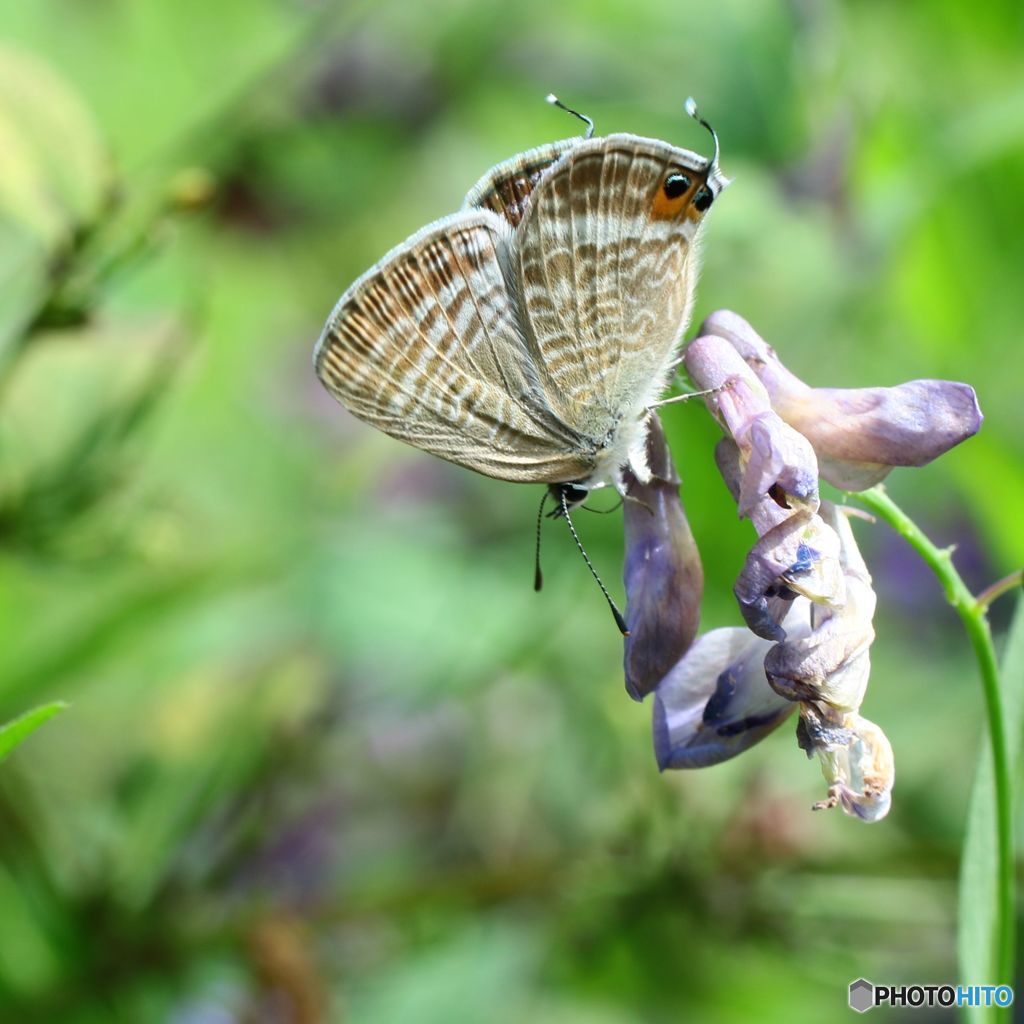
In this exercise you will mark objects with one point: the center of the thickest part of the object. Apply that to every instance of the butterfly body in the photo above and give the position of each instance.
(527, 336)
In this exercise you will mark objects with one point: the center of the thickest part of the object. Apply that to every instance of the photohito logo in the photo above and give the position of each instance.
(864, 995)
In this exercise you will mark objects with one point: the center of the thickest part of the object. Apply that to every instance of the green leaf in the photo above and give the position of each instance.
(71, 408)
(976, 940)
(55, 171)
(24, 725)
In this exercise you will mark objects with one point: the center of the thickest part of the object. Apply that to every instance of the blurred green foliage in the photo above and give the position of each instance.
(330, 758)
(17, 731)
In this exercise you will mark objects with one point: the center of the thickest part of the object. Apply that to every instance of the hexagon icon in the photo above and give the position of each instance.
(862, 995)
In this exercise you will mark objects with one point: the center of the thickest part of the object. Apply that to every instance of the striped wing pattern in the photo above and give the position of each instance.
(506, 188)
(428, 347)
(605, 282)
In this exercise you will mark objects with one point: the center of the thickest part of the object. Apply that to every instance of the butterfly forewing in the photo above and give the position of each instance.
(604, 275)
(429, 348)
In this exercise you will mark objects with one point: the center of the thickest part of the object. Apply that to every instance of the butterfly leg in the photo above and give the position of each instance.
(686, 397)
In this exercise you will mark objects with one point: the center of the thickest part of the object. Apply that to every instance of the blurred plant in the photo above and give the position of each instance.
(14, 732)
(806, 595)
(282, 792)
(76, 385)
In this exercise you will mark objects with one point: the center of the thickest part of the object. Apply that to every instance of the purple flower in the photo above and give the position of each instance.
(800, 555)
(832, 664)
(827, 671)
(716, 702)
(663, 575)
(774, 459)
(796, 554)
(859, 434)
(804, 591)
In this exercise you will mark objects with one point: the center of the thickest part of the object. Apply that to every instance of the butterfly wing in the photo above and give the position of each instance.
(606, 267)
(427, 346)
(506, 188)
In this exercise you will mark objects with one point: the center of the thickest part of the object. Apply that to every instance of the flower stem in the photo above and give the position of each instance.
(972, 612)
(1015, 581)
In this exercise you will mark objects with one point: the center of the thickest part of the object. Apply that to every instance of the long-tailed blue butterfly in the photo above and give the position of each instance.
(529, 335)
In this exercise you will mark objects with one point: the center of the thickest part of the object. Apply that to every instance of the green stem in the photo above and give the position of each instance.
(1015, 581)
(972, 612)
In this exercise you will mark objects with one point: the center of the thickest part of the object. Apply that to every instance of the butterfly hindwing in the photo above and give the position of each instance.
(428, 347)
(507, 187)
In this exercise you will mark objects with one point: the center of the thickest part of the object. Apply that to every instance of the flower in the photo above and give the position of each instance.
(832, 664)
(827, 671)
(795, 552)
(797, 556)
(716, 702)
(858, 434)
(774, 458)
(662, 573)
(804, 591)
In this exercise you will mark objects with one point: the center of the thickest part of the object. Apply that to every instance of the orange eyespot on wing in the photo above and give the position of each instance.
(664, 208)
(682, 193)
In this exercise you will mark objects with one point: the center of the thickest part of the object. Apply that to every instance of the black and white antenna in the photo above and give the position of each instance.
(556, 102)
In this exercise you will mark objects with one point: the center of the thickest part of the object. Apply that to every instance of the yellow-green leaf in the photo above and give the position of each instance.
(24, 725)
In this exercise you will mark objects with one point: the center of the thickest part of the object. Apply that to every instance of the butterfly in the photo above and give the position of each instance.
(528, 335)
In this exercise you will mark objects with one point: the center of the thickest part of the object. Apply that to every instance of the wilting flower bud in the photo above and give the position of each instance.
(774, 458)
(832, 664)
(716, 702)
(827, 672)
(663, 575)
(859, 434)
(856, 760)
(797, 556)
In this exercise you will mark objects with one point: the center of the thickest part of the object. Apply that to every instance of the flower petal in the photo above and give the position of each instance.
(715, 703)
(767, 512)
(798, 556)
(663, 575)
(738, 396)
(780, 460)
(832, 664)
(859, 434)
(774, 458)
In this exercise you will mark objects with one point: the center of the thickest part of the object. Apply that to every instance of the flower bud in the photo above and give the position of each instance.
(856, 760)
(663, 575)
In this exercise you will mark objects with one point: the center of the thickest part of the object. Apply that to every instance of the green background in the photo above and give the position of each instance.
(329, 757)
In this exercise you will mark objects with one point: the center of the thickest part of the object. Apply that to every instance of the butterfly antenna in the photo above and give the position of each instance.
(619, 620)
(691, 109)
(538, 576)
(556, 102)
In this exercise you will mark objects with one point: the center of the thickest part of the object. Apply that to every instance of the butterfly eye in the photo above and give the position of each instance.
(675, 185)
(703, 198)
(574, 495)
